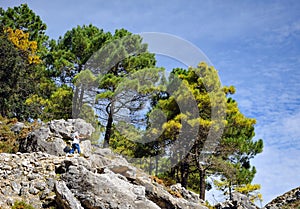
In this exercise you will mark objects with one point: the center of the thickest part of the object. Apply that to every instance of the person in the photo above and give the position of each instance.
(75, 143)
(67, 148)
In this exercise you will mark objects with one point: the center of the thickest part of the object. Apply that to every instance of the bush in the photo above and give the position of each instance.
(22, 205)
(9, 139)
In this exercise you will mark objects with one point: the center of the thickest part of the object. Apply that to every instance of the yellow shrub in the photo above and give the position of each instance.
(21, 41)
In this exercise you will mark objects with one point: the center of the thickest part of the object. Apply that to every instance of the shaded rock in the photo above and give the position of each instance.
(65, 198)
(17, 127)
(83, 128)
(62, 128)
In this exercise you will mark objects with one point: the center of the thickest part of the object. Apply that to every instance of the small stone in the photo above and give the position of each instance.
(24, 184)
(45, 194)
(6, 191)
(25, 163)
(50, 183)
(297, 194)
(73, 170)
(33, 191)
(9, 201)
(33, 177)
(16, 187)
(49, 167)
(6, 167)
(139, 191)
(40, 186)
(7, 159)
(23, 192)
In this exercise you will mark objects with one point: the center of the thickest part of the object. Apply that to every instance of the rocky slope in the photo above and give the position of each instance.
(102, 181)
(42, 175)
(45, 178)
(289, 200)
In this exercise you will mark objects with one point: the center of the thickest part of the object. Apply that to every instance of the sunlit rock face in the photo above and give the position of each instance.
(42, 175)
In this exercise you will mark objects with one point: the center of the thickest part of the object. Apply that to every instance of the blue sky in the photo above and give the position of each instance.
(255, 45)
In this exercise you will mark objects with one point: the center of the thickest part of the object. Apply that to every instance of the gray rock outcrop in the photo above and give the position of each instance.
(239, 201)
(45, 181)
(289, 199)
(43, 176)
(50, 137)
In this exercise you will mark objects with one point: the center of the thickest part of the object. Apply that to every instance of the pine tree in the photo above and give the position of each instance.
(205, 151)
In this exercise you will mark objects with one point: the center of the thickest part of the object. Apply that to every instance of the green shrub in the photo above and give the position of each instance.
(22, 205)
(9, 139)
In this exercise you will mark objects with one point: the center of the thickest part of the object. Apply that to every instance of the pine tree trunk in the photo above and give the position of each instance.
(230, 191)
(75, 108)
(202, 184)
(150, 166)
(80, 102)
(172, 172)
(184, 173)
(108, 130)
(156, 165)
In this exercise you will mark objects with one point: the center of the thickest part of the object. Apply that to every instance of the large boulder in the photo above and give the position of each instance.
(50, 137)
(103, 190)
(64, 197)
(110, 186)
(239, 201)
(62, 128)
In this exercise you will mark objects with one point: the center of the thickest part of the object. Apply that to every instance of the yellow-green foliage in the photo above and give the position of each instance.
(21, 205)
(251, 190)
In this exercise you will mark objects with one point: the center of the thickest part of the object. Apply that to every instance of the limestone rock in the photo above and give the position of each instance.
(65, 198)
(43, 176)
(239, 201)
(186, 194)
(50, 137)
(16, 128)
(46, 181)
(287, 200)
